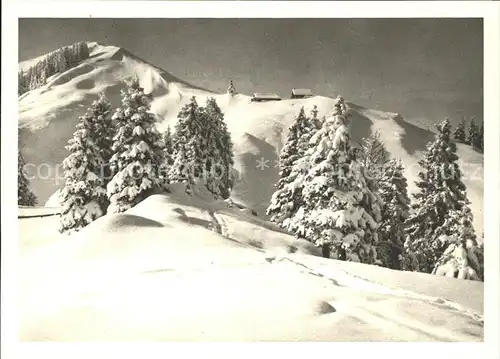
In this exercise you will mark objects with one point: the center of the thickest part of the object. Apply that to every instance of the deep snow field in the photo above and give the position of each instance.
(183, 268)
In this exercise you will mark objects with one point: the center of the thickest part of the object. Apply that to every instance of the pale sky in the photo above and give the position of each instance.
(421, 68)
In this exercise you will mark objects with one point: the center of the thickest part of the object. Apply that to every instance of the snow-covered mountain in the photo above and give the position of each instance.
(179, 267)
(48, 116)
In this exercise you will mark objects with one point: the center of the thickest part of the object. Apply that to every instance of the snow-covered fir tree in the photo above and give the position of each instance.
(22, 84)
(99, 116)
(83, 196)
(481, 142)
(392, 187)
(219, 161)
(169, 146)
(287, 197)
(168, 157)
(231, 89)
(25, 197)
(373, 156)
(340, 108)
(188, 144)
(314, 118)
(138, 151)
(440, 204)
(385, 177)
(463, 257)
(314, 112)
(479, 139)
(203, 150)
(459, 132)
(480, 257)
(338, 209)
(472, 134)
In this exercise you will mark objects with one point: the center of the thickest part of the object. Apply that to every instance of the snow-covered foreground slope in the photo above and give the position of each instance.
(48, 116)
(183, 268)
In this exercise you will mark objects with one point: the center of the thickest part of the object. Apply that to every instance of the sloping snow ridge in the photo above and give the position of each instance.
(178, 267)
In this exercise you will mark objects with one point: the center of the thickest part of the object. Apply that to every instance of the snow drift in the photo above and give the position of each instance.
(183, 268)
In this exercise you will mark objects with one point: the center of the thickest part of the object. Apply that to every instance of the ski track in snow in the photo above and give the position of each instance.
(297, 291)
(344, 279)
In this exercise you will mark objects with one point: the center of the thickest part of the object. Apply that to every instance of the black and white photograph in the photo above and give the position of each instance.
(261, 179)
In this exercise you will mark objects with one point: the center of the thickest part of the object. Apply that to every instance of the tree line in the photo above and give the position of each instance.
(56, 62)
(351, 202)
(473, 137)
(25, 197)
(118, 158)
(354, 203)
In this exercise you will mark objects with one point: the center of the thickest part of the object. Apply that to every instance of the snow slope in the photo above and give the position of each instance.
(48, 116)
(184, 268)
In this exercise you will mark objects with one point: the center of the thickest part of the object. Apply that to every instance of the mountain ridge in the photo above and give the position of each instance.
(48, 116)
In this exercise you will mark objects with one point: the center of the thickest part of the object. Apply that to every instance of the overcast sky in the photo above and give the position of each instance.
(421, 68)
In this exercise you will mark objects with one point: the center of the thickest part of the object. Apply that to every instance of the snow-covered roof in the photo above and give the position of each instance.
(266, 95)
(302, 92)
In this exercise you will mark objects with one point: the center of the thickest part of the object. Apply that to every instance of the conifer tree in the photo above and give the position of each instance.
(316, 122)
(340, 108)
(459, 133)
(83, 195)
(374, 156)
(23, 85)
(231, 89)
(287, 197)
(25, 197)
(441, 198)
(43, 73)
(463, 258)
(385, 177)
(99, 116)
(168, 157)
(100, 113)
(83, 51)
(138, 151)
(61, 62)
(393, 190)
(30, 81)
(480, 256)
(187, 146)
(479, 139)
(34, 78)
(51, 69)
(338, 209)
(472, 135)
(68, 57)
(219, 151)
(169, 146)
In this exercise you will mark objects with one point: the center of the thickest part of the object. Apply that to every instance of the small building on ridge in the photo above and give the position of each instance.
(301, 93)
(260, 96)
